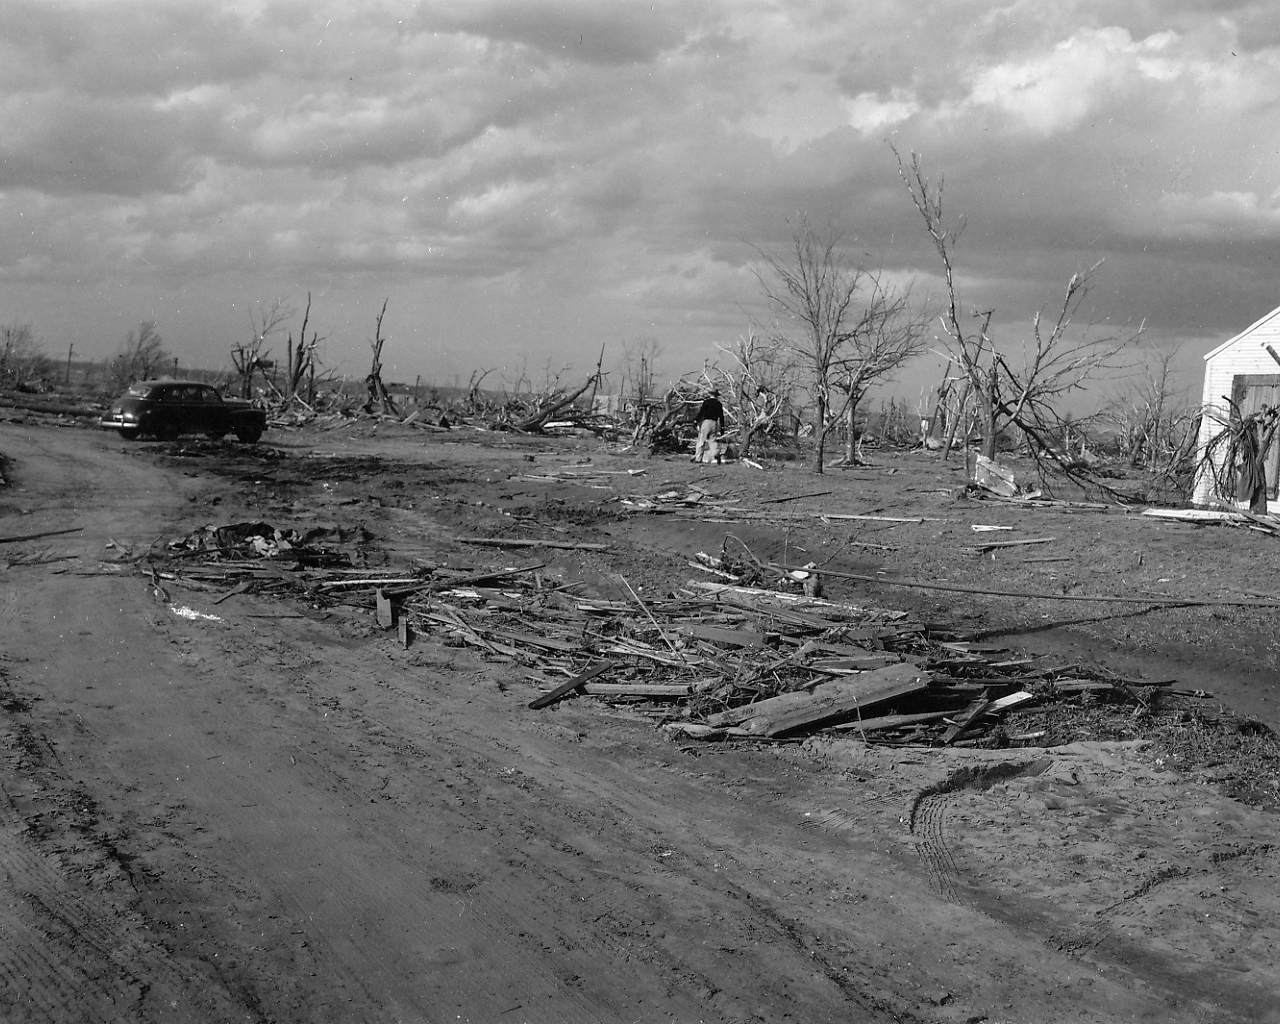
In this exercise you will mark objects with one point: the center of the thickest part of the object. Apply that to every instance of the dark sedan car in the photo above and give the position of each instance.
(166, 408)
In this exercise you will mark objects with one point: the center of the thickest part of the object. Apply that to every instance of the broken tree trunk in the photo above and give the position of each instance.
(536, 422)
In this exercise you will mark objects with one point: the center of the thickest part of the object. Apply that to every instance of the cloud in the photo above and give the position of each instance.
(607, 162)
(868, 113)
(572, 30)
(1243, 215)
(1057, 89)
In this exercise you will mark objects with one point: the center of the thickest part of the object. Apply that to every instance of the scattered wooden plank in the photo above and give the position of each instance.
(239, 588)
(796, 497)
(343, 584)
(385, 612)
(1196, 515)
(1010, 701)
(858, 664)
(37, 536)
(509, 542)
(734, 637)
(965, 720)
(545, 642)
(564, 689)
(988, 545)
(891, 721)
(637, 689)
(990, 475)
(878, 519)
(790, 711)
(1039, 595)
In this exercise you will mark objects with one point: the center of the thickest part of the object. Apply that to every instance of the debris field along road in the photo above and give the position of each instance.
(231, 808)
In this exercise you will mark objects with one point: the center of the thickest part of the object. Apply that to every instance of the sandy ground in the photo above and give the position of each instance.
(256, 810)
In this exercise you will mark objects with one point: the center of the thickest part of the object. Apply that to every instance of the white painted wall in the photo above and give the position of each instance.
(1246, 353)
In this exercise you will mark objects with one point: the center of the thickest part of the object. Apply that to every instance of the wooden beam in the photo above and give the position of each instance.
(789, 711)
(509, 542)
(564, 689)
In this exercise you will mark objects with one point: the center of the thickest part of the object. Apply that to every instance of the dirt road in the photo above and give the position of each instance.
(258, 811)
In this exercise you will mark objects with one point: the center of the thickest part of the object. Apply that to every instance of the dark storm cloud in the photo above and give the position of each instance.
(628, 156)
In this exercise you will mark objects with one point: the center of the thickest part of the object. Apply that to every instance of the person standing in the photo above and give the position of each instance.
(710, 424)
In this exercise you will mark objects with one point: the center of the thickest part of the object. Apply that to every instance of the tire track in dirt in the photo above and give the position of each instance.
(927, 819)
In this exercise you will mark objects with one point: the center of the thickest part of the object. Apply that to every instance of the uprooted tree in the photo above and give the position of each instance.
(854, 329)
(553, 405)
(1058, 359)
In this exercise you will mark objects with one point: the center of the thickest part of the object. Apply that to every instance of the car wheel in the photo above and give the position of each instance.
(129, 433)
(249, 435)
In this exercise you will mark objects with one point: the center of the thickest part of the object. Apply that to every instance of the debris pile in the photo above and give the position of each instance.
(711, 660)
(313, 546)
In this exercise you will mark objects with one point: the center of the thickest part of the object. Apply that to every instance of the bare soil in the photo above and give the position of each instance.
(238, 808)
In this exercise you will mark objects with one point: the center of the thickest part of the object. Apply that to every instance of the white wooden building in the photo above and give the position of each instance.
(1247, 369)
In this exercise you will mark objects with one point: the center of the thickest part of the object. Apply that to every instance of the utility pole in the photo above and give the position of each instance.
(70, 349)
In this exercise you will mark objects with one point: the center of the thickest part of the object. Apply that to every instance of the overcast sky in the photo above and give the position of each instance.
(527, 180)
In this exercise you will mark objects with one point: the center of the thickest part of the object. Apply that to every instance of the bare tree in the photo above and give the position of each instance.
(22, 356)
(303, 359)
(377, 389)
(140, 356)
(639, 362)
(1152, 415)
(253, 357)
(850, 322)
(756, 378)
(474, 401)
(889, 333)
(1056, 360)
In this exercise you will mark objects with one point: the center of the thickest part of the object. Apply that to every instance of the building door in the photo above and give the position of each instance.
(1251, 392)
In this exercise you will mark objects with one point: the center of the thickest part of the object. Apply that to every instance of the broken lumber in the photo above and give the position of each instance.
(636, 689)
(37, 536)
(733, 637)
(990, 475)
(1032, 595)
(385, 613)
(985, 545)
(564, 689)
(892, 721)
(789, 711)
(508, 542)
(963, 721)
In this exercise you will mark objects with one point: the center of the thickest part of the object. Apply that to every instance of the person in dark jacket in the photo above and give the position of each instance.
(710, 423)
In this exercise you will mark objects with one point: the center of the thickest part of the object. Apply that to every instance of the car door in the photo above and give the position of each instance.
(205, 409)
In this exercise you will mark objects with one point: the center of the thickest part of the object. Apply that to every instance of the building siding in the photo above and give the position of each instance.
(1246, 353)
